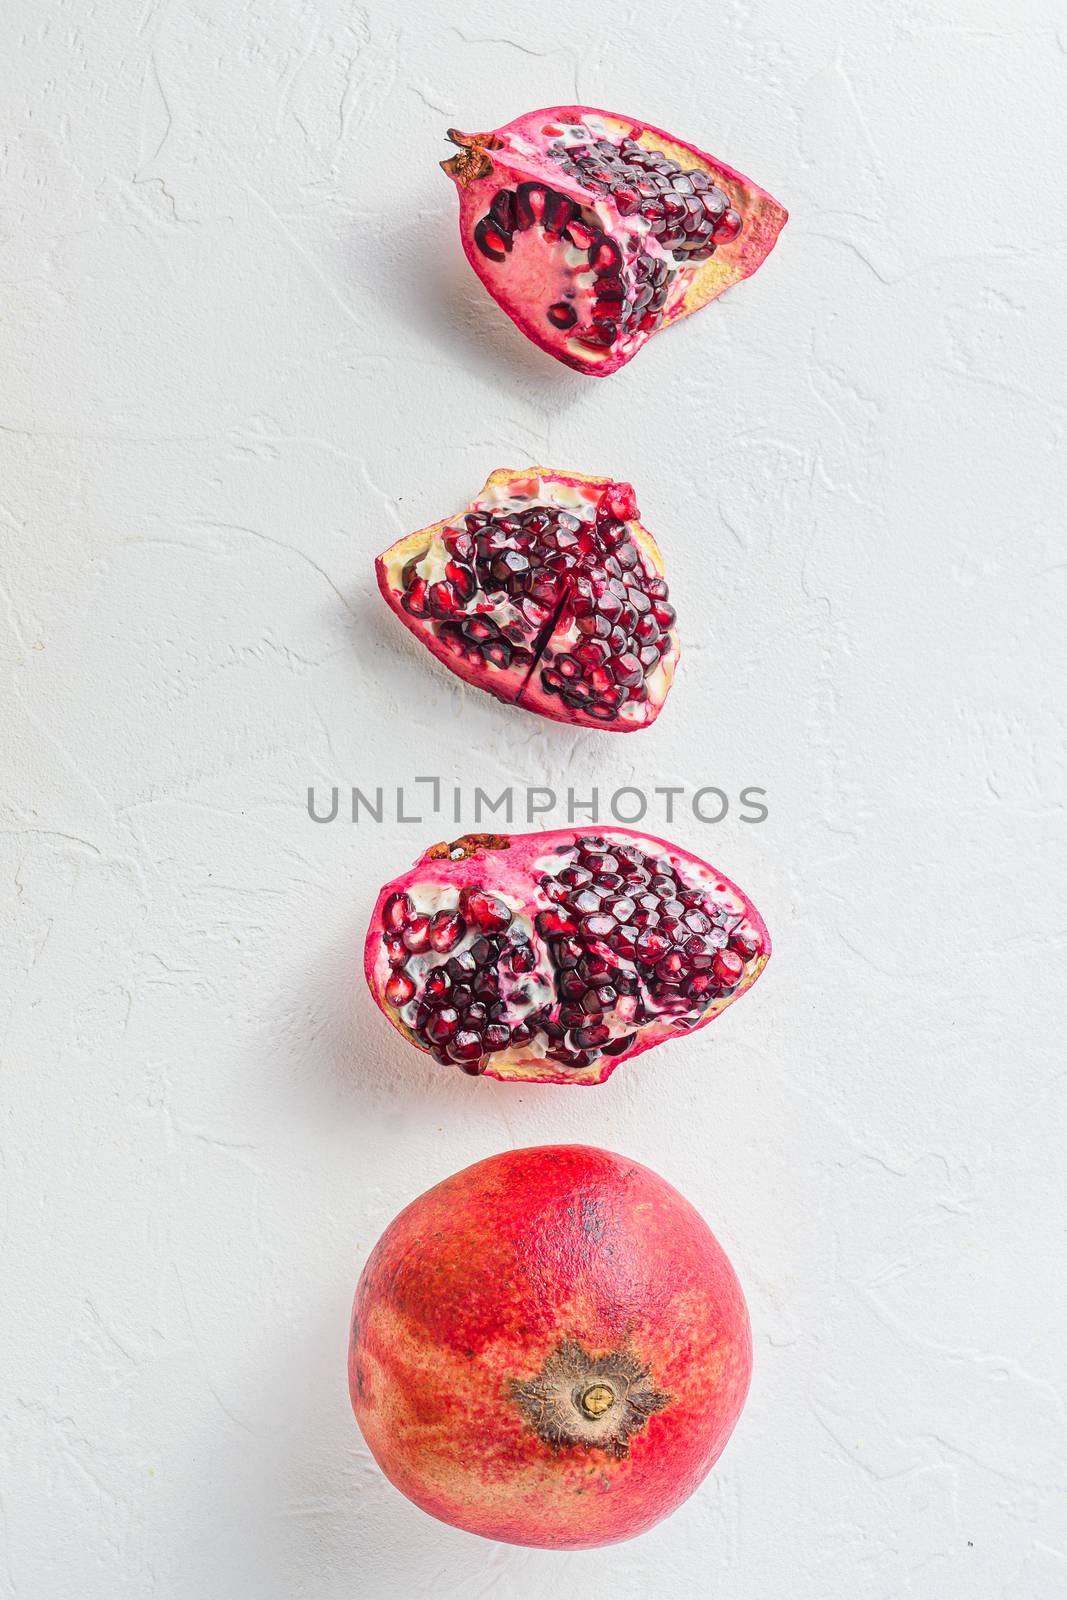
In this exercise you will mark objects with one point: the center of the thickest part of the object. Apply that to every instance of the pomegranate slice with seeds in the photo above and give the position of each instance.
(549, 593)
(593, 231)
(574, 951)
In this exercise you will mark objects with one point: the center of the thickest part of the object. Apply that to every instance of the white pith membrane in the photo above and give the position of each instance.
(538, 635)
(633, 1021)
(539, 270)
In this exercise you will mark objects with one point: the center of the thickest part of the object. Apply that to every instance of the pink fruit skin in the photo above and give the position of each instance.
(503, 864)
(764, 219)
(506, 686)
(481, 1280)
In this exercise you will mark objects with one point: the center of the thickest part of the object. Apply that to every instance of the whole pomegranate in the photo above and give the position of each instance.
(553, 957)
(549, 1348)
(594, 231)
(547, 592)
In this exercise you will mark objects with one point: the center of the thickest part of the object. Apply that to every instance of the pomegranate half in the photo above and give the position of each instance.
(594, 231)
(547, 592)
(553, 957)
(550, 1348)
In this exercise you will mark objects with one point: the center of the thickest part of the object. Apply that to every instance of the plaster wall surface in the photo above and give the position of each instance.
(241, 353)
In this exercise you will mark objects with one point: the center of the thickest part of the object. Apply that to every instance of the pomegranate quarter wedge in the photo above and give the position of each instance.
(594, 231)
(550, 1348)
(554, 957)
(547, 592)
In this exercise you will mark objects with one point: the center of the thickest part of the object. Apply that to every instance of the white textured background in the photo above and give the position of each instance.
(241, 353)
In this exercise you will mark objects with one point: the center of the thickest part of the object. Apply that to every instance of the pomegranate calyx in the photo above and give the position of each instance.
(473, 162)
(595, 1400)
(597, 1403)
(466, 847)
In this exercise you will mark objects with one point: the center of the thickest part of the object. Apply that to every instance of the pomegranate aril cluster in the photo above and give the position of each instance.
(459, 1012)
(685, 209)
(625, 928)
(553, 571)
(627, 297)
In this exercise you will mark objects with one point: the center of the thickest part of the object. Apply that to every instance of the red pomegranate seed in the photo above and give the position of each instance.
(484, 910)
(397, 911)
(461, 578)
(417, 933)
(399, 989)
(619, 501)
(444, 601)
(416, 598)
(446, 930)
(592, 1035)
(728, 227)
(651, 945)
(747, 944)
(727, 967)
(522, 958)
(466, 1045)
(437, 987)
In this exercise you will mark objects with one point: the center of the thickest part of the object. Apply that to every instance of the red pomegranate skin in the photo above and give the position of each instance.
(478, 1285)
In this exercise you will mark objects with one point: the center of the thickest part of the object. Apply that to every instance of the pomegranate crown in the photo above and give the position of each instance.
(472, 162)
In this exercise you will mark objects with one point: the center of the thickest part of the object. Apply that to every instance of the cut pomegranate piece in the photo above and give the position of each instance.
(593, 231)
(541, 593)
(574, 951)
